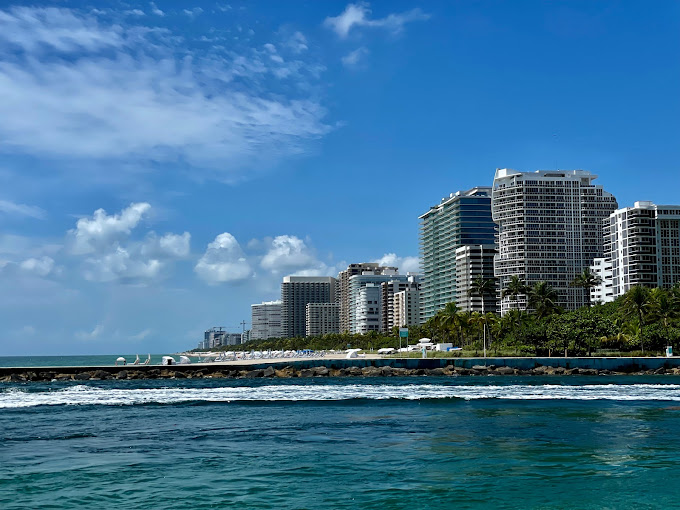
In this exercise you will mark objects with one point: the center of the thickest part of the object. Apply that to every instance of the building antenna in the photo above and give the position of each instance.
(243, 323)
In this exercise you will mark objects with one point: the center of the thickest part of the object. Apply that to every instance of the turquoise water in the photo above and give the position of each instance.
(395, 443)
(75, 361)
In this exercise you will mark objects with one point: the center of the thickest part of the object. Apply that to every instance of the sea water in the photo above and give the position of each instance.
(383, 443)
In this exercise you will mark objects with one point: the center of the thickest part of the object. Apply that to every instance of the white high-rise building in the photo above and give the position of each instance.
(643, 245)
(266, 320)
(604, 291)
(406, 306)
(365, 308)
(549, 229)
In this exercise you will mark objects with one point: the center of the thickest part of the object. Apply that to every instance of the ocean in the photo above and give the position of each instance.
(377, 443)
(96, 360)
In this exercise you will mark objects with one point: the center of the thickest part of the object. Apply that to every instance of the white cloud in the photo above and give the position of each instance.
(121, 266)
(169, 245)
(193, 12)
(358, 15)
(297, 42)
(42, 266)
(223, 261)
(155, 10)
(355, 57)
(112, 256)
(91, 234)
(115, 92)
(141, 335)
(405, 264)
(288, 253)
(90, 335)
(31, 211)
(135, 12)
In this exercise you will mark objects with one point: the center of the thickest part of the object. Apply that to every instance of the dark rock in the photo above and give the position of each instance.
(305, 372)
(17, 378)
(355, 371)
(179, 375)
(505, 371)
(269, 372)
(101, 374)
(83, 376)
(47, 376)
(252, 374)
(436, 371)
(64, 377)
(659, 371)
(321, 371)
(370, 371)
(387, 371)
(480, 368)
(587, 371)
(560, 370)
(154, 372)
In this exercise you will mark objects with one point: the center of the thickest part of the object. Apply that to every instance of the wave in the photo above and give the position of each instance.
(93, 395)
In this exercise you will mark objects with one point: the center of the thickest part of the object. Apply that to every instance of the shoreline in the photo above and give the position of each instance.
(355, 367)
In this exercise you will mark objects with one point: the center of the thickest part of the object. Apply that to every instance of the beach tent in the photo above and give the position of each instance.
(121, 359)
(386, 350)
(352, 353)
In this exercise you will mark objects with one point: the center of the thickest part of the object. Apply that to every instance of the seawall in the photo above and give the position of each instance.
(355, 367)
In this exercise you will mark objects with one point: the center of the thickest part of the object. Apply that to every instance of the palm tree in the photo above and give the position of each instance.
(543, 298)
(482, 287)
(636, 302)
(586, 280)
(516, 287)
(663, 305)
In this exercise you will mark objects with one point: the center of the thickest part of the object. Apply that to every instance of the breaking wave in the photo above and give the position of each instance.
(93, 395)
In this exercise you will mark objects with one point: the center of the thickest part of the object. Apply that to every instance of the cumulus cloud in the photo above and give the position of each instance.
(42, 266)
(169, 245)
(223, 261)
(287, 253)
(102, 230)
(30, 211)
(405, 264)
(359, 15)
(76, 86)
(355, 57)
(155, 10)
(120, 265)
(110, 253)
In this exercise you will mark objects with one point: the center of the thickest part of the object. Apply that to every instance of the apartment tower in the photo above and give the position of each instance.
(296, 293)
(549, 229)
(643, 246)
(266, 320)
(342, 294)
(463, 218)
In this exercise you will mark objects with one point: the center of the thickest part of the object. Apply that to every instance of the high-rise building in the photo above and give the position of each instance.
(603, 292)
(462, 218)
(406, 306)
(643, 245)
(296, 292)
(471, 263)
(389, 289)
(322, 319)
(549, 229)
(266, 320)
(366, 306)
(342, 294)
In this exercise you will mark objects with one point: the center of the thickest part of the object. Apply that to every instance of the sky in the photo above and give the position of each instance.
(163, 165)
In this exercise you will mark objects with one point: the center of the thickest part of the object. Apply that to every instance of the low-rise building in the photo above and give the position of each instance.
(603, 292)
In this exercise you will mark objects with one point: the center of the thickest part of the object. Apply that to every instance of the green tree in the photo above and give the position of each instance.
(515, 288)
(543, 299)
(586, 280)
(482, 287)
(635, 304)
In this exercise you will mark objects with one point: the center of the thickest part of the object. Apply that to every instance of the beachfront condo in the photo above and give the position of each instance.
(549, 229)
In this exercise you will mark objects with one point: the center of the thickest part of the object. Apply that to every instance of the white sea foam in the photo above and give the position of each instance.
(92, 395)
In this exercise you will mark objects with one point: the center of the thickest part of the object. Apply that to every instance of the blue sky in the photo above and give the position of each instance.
(163, 165)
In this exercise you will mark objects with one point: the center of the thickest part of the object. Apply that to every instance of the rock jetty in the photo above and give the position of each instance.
(289, 371)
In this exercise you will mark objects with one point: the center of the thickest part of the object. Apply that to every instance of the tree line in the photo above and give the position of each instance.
(642, 321)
